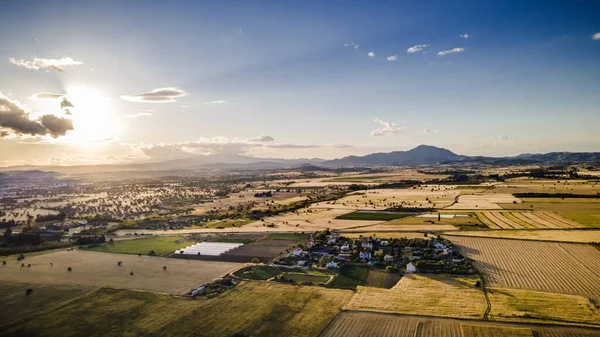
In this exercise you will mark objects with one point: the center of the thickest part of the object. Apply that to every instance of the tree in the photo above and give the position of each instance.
(255, 260)
(7, 233)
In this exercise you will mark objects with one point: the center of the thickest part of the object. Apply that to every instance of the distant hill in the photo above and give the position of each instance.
(420, 155)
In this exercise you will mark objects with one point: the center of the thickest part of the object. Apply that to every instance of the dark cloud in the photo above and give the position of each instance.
(46, 95)
(66, 103)
(161, 95)
(14, 118)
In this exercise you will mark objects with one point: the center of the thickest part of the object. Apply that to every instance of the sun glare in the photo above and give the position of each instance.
(92, 115)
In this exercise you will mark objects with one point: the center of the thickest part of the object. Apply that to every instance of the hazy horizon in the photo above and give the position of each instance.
(93, 83)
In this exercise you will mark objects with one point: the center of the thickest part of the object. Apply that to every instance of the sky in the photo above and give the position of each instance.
(111, 82)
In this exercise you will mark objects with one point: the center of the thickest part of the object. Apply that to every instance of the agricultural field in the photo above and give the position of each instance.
(525, 220)
(93, 269)
(566, 268)
(387, 177)
(14, 304)
(583, 236)
(253, 308)
(483, 201)
(313, 276)
(373, 215)
(579, 210)
(529, 185)
(257, 273)
(350, 277)
(433, 295)
(418, 223)
(387, 235)
(356, 324)
(161, 245)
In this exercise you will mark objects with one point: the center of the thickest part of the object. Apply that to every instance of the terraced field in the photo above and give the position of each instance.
(355, 324)
(525, 220)
(566, 268)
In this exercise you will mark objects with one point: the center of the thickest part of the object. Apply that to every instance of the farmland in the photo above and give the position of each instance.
(364, 215)
(161, 245)
(525, 220)
(251, 308)
(572, 268)
(583, 211)
(583, 236)
(355, 324)
(92, 269)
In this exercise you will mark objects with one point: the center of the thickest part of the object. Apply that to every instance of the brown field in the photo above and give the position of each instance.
(358, 324)
(432, 295)
(385, 235)
(565, 235)
(525, 220)
(483, 201)
(528, 185)
(575, 211)
(100, 269)
(540, 266)
(395, 228)
(312, 219)
(493, 331)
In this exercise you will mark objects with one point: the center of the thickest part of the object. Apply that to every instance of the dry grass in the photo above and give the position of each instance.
(100, 269)
(565, 235)
(483, 201)
(434, 295)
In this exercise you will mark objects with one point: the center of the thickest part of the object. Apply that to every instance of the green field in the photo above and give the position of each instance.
(260, 273)
(313, 276)
(350, 277)
(583, 211)
(14, 304)
(372, 216)
(235, 240)
(161, 245)
(253, 308)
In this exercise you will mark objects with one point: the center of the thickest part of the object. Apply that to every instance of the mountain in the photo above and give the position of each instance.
(420, 155)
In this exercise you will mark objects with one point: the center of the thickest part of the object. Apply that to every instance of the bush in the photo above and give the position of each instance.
(255, 260)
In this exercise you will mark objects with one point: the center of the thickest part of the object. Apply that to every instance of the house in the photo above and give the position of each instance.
(301, 263)
(331, 265)
(333, 238)
(345, 247)
(367, 245)
(388, 259)
(365, 255)
(410, 268)
(298, 251)
(384, 243)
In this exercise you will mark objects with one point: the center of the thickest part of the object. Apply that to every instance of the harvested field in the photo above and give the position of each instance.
(250, 309)
(575, 211)
(161, 245)
(435, 295)
(493, 331)
(310, 220)
(525, 220)
(382, 279)
(483, 201)
(399, 229)
(541, 266)
(385, 235)
(565, 235)
(100, 269)
(358, 324)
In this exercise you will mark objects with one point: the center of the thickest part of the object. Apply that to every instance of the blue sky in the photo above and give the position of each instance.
(525, 79)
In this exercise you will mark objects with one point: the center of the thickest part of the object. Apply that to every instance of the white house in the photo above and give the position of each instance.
(367, 245)
(301, 263)
(385, 243)
(410, 268)
(331, 265)
(365, 255)
(388, 258)
(298, 251)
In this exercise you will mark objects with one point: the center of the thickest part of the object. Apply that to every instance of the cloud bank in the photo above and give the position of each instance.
(14, 118)
(160, 95)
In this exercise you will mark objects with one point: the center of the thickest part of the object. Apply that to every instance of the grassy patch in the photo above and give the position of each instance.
(259, 273)
(15, 304)
(253, 308)
(161, 245)
(373, 216)
(235, 240)
(350, 277)
(301, 276)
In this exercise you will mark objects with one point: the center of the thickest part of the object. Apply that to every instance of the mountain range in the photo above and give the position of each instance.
(420, 155)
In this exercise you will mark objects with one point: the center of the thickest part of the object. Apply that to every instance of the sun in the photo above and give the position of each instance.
(92, 114)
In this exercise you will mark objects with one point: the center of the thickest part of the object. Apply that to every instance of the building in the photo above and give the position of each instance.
(410, 268)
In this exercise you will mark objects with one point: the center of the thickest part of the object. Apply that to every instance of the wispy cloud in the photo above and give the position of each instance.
(215, 102)
(46, 64)
(351, 45)
(262, 138)
(161, 95)
(392, 58)
(596, 36)
(371, 54)
(45, 95)
(451, 51)
(417, 48)
(425, 131)
(465, 36)
(139, 114)
(388, 128)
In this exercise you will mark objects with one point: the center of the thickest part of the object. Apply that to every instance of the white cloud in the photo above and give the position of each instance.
(139, 114)
(425, 131)
(392, 58)
(451, 51)
(351, 45)
(45, 95)
(417, 48)
(465, 36)
(262, 138)
(371, 54)
(46, 64)
(215, 102)
(596, 36)
(388, 128)
(161, 95)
